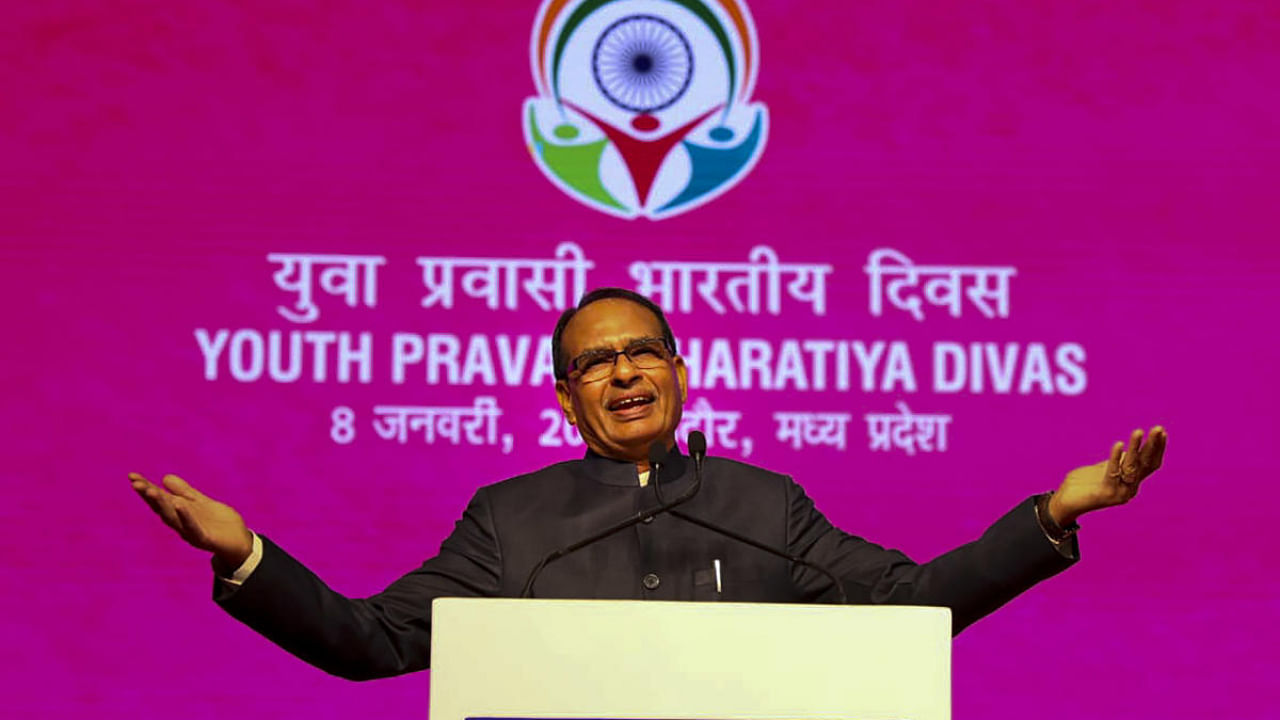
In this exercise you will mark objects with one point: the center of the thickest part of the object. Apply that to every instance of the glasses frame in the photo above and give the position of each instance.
(575, 373)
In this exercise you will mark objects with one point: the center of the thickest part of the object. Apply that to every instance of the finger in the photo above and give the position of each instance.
(1153, 451)
(1129, 462)
(1113, 462)
(182, 488)
(139, 482)
(161, 503)
(146, 490)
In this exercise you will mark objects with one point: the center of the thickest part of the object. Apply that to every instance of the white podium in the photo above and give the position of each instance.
(632, 660)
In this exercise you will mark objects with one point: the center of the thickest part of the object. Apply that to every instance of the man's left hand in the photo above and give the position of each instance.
(1112, 482)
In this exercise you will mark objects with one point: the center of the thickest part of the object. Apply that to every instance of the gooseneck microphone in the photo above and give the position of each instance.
(657, 453)
(698, 450)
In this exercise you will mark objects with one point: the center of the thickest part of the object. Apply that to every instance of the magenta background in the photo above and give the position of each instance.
(1122, 156)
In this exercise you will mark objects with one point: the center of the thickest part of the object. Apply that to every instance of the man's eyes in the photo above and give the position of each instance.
(647, 350)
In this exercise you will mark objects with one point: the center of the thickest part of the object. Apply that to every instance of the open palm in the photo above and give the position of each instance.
(202, 521)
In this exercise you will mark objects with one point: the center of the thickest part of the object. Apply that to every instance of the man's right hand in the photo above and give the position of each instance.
(203, 522)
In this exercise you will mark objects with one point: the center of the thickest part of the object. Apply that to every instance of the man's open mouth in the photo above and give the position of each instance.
(630, 402)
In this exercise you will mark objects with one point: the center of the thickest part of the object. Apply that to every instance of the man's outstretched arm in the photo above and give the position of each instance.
(978, 577)
(386, 634)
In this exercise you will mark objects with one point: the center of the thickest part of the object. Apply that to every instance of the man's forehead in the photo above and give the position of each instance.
(608, 323)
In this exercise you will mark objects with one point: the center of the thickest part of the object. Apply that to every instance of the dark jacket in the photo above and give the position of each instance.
(511, 525)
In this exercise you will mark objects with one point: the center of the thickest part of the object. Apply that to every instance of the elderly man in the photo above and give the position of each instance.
(621, 382)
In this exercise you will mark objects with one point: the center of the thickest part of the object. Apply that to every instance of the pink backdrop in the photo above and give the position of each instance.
(1121, 156)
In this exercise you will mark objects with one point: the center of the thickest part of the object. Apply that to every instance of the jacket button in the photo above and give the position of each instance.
(651, 581)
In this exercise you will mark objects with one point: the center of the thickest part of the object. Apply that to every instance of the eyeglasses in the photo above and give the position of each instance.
(595, 365)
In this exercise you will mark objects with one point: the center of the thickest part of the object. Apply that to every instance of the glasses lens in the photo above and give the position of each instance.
(594, 365)
(648, 355)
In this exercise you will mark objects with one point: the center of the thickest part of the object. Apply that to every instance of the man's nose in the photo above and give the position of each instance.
(624, 371)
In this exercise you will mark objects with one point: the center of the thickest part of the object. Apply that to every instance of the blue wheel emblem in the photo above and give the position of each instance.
(642, 63)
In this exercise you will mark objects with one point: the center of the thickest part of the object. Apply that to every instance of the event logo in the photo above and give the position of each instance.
(644, 105)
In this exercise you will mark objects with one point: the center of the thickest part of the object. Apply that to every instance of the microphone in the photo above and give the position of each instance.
(698, 450)
(697, 444)
(657, 453)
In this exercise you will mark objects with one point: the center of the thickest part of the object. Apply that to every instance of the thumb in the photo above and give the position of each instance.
(181, 488)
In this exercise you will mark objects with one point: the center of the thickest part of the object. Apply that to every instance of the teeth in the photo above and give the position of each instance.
(628, 402)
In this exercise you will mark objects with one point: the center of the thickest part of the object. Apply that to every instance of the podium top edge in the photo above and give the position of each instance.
(582, 603)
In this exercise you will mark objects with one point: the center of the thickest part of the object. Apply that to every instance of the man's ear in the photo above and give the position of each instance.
(566, 401)
(682, 377)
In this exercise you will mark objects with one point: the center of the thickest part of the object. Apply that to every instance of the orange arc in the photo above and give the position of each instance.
(548, 19)
(740, 22)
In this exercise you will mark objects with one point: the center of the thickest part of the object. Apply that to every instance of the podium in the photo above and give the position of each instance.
(634, 660)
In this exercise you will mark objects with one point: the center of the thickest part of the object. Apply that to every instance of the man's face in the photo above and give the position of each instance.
(621, 414)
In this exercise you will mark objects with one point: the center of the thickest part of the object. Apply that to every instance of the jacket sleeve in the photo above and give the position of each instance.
(361, 639)
(972, 580)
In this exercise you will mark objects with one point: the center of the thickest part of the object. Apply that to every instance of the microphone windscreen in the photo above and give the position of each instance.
(697, 444)
(657, 453)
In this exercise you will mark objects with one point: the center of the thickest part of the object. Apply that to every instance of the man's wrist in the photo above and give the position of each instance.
(1053, 528)
(1059, 514)
(236, 565)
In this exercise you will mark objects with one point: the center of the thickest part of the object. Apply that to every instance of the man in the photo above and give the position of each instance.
(621, 382)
